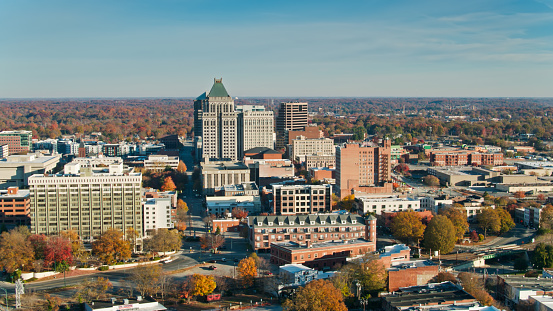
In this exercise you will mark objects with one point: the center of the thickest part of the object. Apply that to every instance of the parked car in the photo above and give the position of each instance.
(212, 267)
(224, 260)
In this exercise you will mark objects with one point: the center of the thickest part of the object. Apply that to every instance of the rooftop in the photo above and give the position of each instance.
(20, 194)
(294, 268)
(521, 282)
(396, 266)
(224, 166)
(218, 89)
(328, 244)
(314, 220)
(430, 294)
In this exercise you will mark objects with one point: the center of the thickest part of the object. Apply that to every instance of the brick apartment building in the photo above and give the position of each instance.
(363, 168)
(226, 225)
(464, 157)
(411, 273)
(301, 199)
(325, 255)
(309, 229)
(15, 207)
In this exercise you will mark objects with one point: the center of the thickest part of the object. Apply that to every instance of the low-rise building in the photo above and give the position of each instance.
(301, 199)
(304, 229)
(15, 207)
(226, 225)
(388, 204)
(316, 160)
(511, 289)
(222, 173)
(157, 214)
(16, 169)
(394, 254)
(428, 296)
(325, 255)
(224, 204)
(134, 304)
(247, 188)
(159, 162)
(434, 204)
(302, 147)
(533, 188)
(411, 273)
(323, 174)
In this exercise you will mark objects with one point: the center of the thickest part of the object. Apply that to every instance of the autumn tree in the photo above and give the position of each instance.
(211, 241)
(146, 279)
(546, 217)
(73, 236)
(431, 181)
(16, 250)
(247, 271)
(506, 221)
(164, 240)
(93, 290)
(58, 251)
(440, 235)
(444, 277)
(182, 206)
(407, 226)
(489, 220)
(239, 213)
(474, 285)
(316, 295)
(372, 275)
(168, 184)
(132, 235)
(203, 284)
(458, 217)
(520, 195)
(38, 242)
(111, 247)
(181, 168)
(347, 202)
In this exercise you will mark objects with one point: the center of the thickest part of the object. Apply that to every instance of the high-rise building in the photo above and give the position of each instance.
(255, 128)
(291, 117)
(216, 122)
(17, 141)
(86, 201)
(363, 168)
(224, 132)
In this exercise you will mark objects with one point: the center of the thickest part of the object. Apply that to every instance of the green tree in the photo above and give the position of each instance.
(407, 226)
(521, 264)
(316, 295)
(543, 256)
(440, 235)
(488, 219)
(458, 217)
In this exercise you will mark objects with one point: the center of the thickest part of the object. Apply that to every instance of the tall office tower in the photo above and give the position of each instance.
(86, 200)
(363, 168)
(291, 117)
(17, 141)
(255, 128)
(216, 122)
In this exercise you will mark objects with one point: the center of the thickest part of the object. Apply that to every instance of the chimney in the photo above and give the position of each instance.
(13, 190)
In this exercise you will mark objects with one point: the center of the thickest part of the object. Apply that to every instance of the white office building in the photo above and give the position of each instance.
(386, 204)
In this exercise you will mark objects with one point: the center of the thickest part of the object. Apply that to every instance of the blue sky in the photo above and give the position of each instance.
(174, 48)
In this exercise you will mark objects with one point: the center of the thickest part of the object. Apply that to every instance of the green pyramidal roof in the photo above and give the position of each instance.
(218, 89)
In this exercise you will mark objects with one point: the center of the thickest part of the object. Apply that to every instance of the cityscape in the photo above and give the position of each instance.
(151, 160)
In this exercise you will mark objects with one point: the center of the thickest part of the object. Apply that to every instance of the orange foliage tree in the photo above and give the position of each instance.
(112, 247)
(247, 270)
(168, 184)
(316, 295)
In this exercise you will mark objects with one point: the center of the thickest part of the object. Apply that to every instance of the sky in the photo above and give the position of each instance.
(369, 48)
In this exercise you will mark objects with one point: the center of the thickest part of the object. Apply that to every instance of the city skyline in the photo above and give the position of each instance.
(62, 49)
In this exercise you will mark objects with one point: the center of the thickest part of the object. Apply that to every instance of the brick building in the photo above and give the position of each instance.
(227, 225)
(15, 207)
(304, 229)
(411, 273)
(464, 157)
(445, 294)
(329, 254)
(363, 168)
(301, 199)
(17, 141)
(309, 132)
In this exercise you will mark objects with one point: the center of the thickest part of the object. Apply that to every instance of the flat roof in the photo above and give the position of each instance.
(224, 166)
(20, 194)
(293, 268)
(328, 244)
(397, 266)
(521, 282)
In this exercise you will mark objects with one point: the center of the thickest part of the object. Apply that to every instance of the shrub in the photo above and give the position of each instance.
(481, 237)
(103, 268)
(156, 258)
(30, 280)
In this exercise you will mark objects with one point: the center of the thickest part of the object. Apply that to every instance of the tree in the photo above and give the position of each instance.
(440, 235)
(58, 251)
(431, 181)
(347, 202)
(16, 250)
(474, 236)
(247, 271)
(521, 264)
(506, 221)
(73, 236)
(111, 247)
(132, 235)
(546, 217)
(92, 290)
(168, 184)
(239, 213)
(181, 168)
(211, 241)
(372, 275)
(407, 226)
(316, 295)
(519, 195)
(473, 285)
(164, 240)
(203, 284)
(489, 220)
(444, 277)
(459, 219)
(146, 279)
(38, 242)
(182, 206)
(543, 256)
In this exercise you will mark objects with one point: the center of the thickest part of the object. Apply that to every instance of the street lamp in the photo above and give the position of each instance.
(358, 288)
(364, 302)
